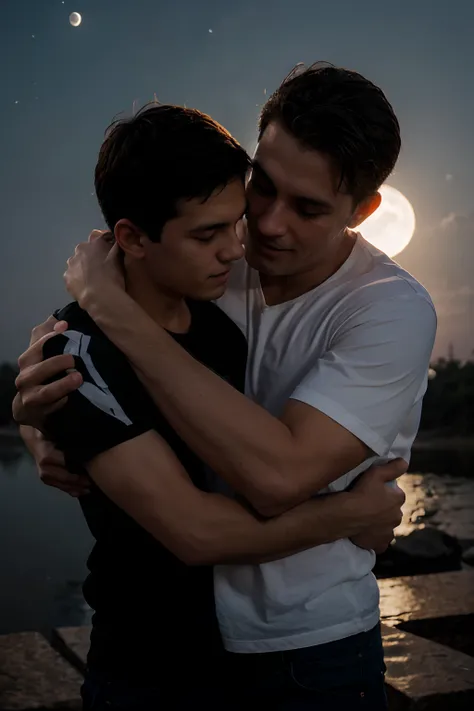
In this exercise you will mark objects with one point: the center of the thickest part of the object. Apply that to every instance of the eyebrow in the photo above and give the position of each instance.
(309, 201)
(217, 225)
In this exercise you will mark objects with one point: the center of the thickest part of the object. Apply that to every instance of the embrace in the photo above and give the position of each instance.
(232, 394)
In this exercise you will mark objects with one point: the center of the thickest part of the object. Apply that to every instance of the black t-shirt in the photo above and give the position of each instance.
(152, 612)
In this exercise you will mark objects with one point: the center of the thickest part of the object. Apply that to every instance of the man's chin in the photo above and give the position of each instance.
(262, 263)
(211, 294)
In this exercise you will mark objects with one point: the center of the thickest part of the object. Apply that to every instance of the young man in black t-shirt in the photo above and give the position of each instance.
(170, 183)
(154, 605)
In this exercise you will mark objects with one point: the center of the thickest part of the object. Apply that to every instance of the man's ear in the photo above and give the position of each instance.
(364, 209)
(129, 238)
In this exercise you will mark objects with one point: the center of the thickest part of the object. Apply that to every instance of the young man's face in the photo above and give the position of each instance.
(297, 215)
(197, 248)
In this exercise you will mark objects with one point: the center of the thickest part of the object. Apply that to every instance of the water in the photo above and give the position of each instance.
(44, 542)
(441, 494)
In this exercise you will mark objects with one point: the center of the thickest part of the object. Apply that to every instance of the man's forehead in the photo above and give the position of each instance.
(222, 203)
(295, 169)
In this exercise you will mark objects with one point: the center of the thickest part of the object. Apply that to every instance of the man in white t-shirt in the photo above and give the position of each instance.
(340, 339)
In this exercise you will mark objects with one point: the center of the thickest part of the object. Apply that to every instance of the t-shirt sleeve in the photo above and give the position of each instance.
(374, 370)
(109, 408)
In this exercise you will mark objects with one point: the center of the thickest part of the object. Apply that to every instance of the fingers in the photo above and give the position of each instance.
(34, 354)
(115, 253)
(51, 397)
(390, 471)
(105, 234)
(73, 489)
(37, 397)
(60, 475)
(109, 237)
(377, 540)
(52, 458)
(57, 405)
(60, 326)
(39, 372)
(42, 329)
(59, 478)
(400, 494)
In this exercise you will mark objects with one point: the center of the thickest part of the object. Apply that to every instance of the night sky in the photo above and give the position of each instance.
(61, 86)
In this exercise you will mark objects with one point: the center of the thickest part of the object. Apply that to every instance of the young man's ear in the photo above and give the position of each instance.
(364, 209)
(129, 238)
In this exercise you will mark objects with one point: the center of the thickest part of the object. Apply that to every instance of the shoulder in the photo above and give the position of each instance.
(379, 286)
(78, 319)
(84, 340)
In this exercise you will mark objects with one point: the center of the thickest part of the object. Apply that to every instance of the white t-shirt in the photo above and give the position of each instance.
(357, 348)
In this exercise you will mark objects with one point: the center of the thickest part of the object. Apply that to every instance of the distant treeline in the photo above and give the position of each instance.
(448, 405)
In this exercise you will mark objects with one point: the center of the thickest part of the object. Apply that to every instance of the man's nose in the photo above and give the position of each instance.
(273, 222)
(233, 249)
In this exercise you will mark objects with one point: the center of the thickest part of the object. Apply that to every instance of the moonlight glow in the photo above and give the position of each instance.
(75, 19)
(391, 227)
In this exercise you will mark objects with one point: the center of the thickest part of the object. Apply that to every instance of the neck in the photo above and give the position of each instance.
(278, 289)
(168, 310)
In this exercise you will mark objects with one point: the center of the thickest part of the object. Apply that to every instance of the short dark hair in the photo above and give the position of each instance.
(339, 112)
(161, 155)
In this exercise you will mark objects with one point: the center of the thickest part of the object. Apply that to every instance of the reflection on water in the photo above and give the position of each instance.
(44, 545)
(443, 502)
(442, 494)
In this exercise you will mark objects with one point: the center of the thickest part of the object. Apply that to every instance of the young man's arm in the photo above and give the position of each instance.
(144, 478)
(350, 406)
(109, 426)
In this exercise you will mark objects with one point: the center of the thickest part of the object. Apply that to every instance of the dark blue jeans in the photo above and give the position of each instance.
(347, 675)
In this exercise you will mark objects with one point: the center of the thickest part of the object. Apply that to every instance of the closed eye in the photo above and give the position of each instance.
(205, 237)
(309, 214)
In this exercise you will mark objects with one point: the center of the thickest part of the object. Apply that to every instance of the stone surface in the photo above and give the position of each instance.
(73, 643)
(425, 675)
(34, 676)
(426, 596)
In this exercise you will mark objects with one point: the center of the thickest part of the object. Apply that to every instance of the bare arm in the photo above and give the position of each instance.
(318, 521)
(144, 478)
(335, 421)
(275, 463)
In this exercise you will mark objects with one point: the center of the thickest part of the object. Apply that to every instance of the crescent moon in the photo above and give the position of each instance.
(75, 19)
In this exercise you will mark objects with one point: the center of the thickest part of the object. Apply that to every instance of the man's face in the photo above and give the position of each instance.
(297, 215)
(197, 248)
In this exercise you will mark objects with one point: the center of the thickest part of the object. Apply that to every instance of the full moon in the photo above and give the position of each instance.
(391, 227)
(75, 19)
